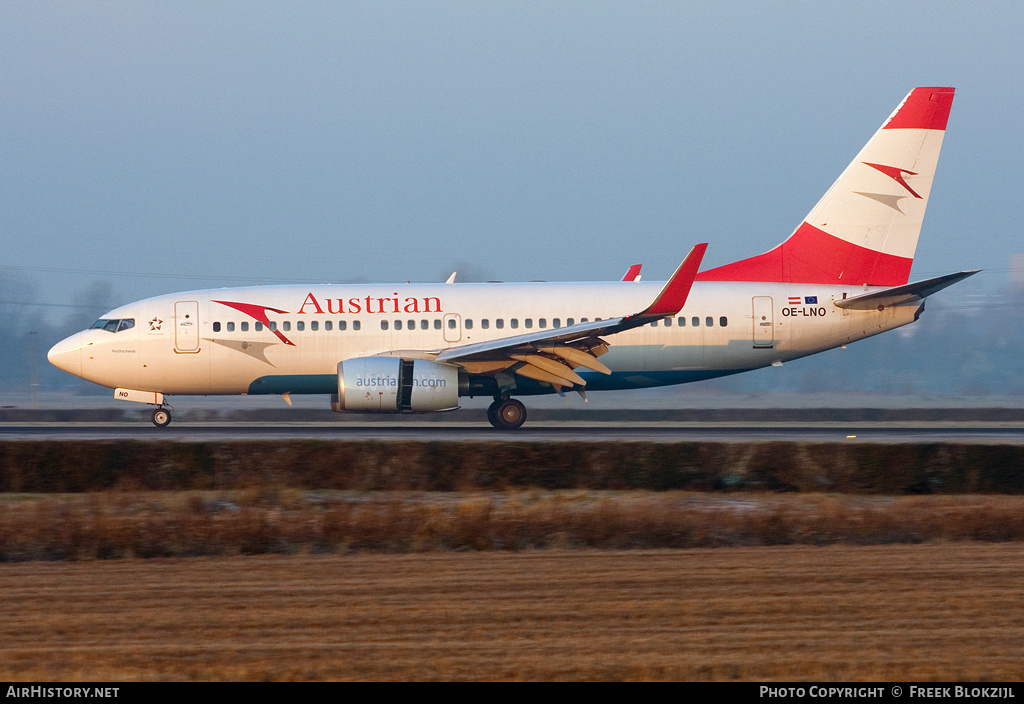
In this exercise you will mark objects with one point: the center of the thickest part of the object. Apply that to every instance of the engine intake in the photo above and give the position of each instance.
(392, 384)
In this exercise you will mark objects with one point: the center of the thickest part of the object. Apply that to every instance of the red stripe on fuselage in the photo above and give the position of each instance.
(812, 256)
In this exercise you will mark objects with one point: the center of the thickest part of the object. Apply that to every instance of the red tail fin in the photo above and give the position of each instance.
(865, 228)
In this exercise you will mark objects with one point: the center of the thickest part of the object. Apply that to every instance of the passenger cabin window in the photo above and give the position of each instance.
(529, 322)
(328, 325)
(383, 325)
(398, 325)
(258, 327)
(499, 323)
(556, 322)
(723, 321)
(709, 321)
(231, 327)
(485, 323)
(216, 327)
(299, 325)
(272, 327)
(451, 323)
(343, 325)
(469, 323)
(356, 325)
(437, 324)
(514, 323)
(286, 325)
(313, 325)
(695, 321)
(424, 325)
(543, 323)
(245, 327)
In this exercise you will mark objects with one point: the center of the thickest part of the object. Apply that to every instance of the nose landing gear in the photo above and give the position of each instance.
(162, 417)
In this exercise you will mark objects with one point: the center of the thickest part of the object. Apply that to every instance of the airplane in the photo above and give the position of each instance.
(841, 276)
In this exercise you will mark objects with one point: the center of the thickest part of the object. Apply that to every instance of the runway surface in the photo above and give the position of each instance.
(542, 431)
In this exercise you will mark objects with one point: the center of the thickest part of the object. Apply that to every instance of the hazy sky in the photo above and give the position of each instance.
(234, 143)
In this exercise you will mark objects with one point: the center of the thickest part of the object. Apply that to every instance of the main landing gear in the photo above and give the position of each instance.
(162, 417)
(506, 414)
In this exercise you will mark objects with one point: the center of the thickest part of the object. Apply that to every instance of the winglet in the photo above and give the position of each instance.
(633, 274)
(673, 297)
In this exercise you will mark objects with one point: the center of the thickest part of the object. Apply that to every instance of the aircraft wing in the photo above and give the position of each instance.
(901, 295)
(551, 355)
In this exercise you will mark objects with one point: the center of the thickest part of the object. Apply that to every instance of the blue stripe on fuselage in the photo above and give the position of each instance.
(328, 383)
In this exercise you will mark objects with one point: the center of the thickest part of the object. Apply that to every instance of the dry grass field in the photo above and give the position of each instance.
(274, 520)
(939, 611)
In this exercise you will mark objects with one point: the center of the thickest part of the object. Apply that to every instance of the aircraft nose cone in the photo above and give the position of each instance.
(66, 355)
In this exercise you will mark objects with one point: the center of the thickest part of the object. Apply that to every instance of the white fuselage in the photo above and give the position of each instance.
(195, 343)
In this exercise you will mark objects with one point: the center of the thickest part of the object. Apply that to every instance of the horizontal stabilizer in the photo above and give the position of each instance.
(901, 295)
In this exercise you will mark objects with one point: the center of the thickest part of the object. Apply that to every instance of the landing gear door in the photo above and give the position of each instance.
(186, 327)
(764, 325)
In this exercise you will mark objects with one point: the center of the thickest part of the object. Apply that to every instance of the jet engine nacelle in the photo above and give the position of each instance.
(392, 384)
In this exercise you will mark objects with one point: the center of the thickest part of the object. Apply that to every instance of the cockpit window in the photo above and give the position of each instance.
(115, 325)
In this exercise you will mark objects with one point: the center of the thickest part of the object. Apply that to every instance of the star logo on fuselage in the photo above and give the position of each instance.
(155, 324)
